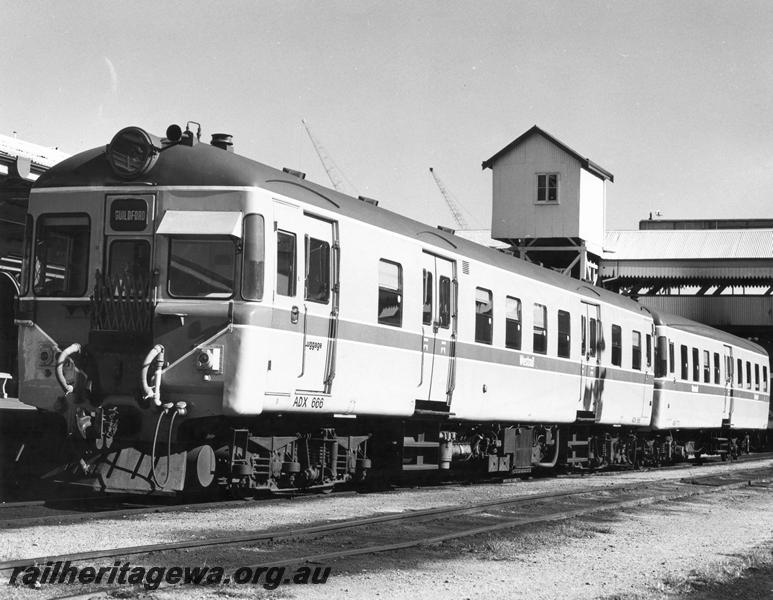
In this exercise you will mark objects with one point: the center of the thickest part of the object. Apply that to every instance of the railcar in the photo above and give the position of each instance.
(707, 381)
(203, 321)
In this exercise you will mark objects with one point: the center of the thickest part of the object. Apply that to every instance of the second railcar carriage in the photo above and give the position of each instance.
(202, 320)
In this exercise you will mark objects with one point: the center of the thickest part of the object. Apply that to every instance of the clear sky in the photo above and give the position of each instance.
(672, 97)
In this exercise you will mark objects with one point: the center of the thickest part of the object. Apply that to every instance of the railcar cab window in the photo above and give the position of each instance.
(390, 293)
(484, 316)
(317, 270)
(564, 334)
(547, 188)
(61, 255)
(540, 338)
(202, 267)
(253, 257)
(286, 261)
(128, 267)
(513, 323)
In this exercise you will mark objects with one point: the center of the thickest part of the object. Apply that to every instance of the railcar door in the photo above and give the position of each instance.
(729, 364)
(590, 358)
(438, 332)
(305, 304)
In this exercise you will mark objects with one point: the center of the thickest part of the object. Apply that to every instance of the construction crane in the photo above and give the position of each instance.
(340, 182)
(453, 205)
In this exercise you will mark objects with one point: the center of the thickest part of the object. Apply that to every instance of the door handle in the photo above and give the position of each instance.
(294, 314)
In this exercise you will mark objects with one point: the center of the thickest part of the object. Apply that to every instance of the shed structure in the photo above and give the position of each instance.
(549, 203)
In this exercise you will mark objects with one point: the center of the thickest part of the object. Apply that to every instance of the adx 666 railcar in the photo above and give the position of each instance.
(201, 320)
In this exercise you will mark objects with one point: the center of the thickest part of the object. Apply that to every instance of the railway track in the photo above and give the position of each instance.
(69, 510)
(328, 542)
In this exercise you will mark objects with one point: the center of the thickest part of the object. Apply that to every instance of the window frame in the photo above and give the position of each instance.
(540, 333)
(517, 343)
(398, 292)
(39, 220)
(479, 316)
(544, 187)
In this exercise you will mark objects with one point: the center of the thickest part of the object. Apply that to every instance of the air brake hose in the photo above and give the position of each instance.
(155, 357)
(63, 357)
(178, 408)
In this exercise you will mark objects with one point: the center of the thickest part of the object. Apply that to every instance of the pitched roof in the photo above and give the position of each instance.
(584, 161)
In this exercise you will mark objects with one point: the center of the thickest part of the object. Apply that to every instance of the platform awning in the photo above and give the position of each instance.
(703, 272)
(201, 222)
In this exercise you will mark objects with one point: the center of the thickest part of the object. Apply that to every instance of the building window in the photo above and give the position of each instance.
(540, 341)
(636, 350)
(564, 334)
(512, 323)
(617, 345)
(390, 293)
(547, 187)
(484, 316)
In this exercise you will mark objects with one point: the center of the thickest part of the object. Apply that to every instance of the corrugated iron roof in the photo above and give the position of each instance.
(40, 155)
(689, 244)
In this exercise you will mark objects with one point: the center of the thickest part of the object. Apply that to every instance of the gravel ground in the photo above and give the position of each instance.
(644, 553)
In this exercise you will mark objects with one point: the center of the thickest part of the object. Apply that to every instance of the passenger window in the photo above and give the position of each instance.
(717, 376)
(748, 375)
(564, 334)
(764, 378)
(661, 356)
(617, 345)
(706, 367)
(253, 258)
(285, 263)
(317, 270)
(583, 335)
(756, 377)
(696, 365)
(390, 293)
(649, 350)
(671, 361)
(684, 362)
(427, 298)
(444, 292)
(636, 350)
(512, 323)
(740, 372)
(593, 342)
(540, 338)
(484, 316)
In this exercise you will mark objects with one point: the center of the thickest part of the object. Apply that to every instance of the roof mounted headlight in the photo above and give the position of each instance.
(132, 152)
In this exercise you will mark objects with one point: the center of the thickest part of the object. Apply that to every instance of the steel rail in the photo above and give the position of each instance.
(413, 516)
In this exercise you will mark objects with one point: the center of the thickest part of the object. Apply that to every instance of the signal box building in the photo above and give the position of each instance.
(549, 203)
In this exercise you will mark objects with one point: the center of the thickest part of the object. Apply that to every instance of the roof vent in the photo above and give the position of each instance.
(298, 174)
(367, 200)
(223, 140)
(446, 229)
